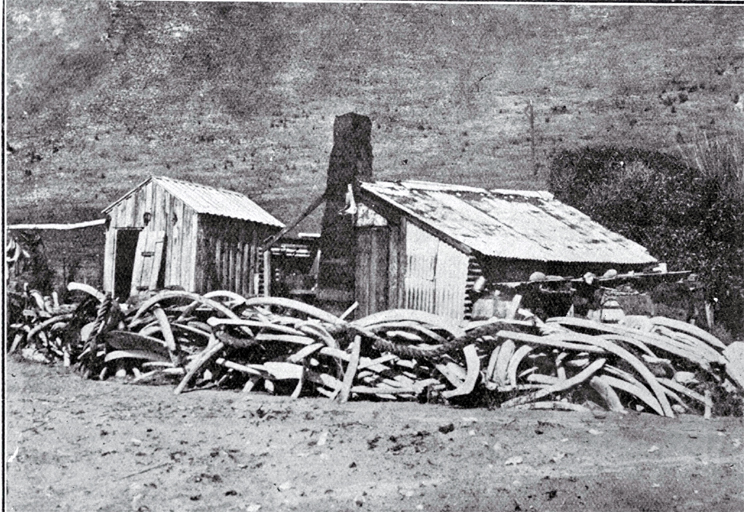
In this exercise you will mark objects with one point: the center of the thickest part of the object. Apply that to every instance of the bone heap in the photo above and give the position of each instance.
(282, 346)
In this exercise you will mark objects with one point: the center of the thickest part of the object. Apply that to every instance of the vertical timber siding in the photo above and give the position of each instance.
(203, 252)
(129, 214)
(371, 289)
(180, 236)
(229, 254)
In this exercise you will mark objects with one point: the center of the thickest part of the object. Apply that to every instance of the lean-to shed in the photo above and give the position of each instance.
(421, 245)
(172, 233)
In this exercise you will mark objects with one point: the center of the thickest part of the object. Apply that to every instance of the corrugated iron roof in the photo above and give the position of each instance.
(526, 225)
(210, 200)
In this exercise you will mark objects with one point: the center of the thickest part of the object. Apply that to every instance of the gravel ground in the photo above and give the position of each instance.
(109, 446)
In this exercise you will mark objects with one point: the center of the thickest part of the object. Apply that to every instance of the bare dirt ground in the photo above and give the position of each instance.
(108, 446)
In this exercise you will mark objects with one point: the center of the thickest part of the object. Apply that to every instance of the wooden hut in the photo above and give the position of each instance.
(421, 245)
(169, 233)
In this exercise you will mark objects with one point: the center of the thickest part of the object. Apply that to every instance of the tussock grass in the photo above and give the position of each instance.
(719, 158)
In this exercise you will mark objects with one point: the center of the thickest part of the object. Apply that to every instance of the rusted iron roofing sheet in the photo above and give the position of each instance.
(525, 225)
(210, 200)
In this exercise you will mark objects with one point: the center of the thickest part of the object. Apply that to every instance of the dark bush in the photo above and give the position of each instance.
(688, 211)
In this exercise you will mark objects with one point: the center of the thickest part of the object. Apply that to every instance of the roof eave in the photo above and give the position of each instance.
(279, 224)
(122, 198)
(638, 262)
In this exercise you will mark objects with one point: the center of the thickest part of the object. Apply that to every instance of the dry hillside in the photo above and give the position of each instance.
(102, 94)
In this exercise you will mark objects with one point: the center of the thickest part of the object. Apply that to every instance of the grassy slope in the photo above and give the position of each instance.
(243, 96)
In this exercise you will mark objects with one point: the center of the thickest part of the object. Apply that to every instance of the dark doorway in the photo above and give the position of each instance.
(126, 249)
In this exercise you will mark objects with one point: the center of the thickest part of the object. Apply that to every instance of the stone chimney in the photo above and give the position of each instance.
(350, 162)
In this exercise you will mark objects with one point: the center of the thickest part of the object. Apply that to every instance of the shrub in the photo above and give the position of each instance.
(36, 272)
(688, 210)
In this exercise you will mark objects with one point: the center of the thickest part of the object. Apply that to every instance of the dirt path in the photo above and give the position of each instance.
(107, 446)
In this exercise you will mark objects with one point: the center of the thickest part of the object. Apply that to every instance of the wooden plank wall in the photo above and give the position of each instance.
(380, 264)
(372, 268)
(174, 242)
(128, 214)
(180, 231)
(182, 222)
(147, 261)
(230, 255)
(202, 252)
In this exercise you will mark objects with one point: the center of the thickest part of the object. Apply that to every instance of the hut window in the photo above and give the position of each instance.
(175, 218)
(147, 218)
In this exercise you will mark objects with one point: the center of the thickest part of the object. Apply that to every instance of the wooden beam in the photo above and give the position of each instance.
(60, 227)
(310, 209)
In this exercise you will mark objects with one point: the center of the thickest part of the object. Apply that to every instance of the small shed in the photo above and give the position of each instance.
(169, 233)
(421, 245)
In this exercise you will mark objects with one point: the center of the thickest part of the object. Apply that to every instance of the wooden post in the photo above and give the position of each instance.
(267, 273)
(709, 315)
(254, 263)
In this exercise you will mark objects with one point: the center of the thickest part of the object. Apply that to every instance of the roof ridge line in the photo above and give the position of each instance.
(192, 184)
